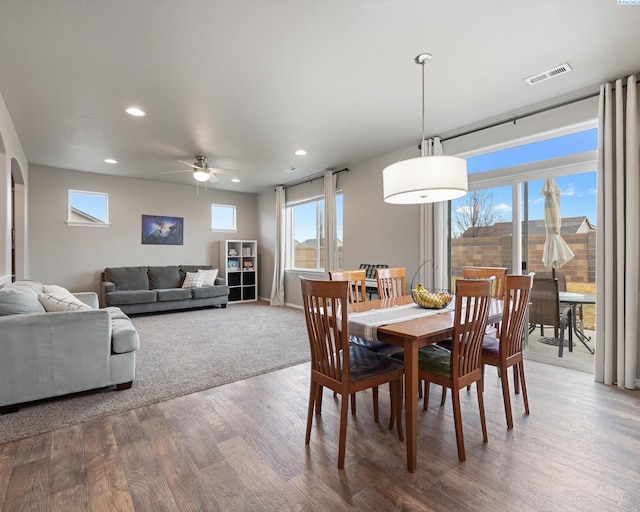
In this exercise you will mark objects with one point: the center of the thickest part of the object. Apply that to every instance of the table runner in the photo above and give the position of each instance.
(365, 324)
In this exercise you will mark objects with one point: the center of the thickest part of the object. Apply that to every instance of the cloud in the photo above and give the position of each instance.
(502, 207)
(592, 191)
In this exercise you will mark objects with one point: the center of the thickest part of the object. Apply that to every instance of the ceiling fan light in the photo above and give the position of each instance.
(200, 175)
(426, 179)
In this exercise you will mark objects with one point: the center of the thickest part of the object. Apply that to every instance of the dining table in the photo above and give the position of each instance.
(410, 335)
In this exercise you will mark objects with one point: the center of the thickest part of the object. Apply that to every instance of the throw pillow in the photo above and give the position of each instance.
(209, 276)
(52, 302)
(54, 289)
(193, 280)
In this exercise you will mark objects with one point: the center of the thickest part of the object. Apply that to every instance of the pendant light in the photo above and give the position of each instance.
(425, 179)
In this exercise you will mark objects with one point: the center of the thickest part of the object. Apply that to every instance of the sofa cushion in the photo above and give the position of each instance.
(173, 294)
(128, 278)
(164, 277)
(193, 280)
(17, 300)
(209, 276)
(53, 302)
(129, 297)
(124, 337)
(116, 312)
(206, 292)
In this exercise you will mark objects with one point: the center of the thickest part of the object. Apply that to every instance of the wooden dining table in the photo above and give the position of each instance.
(411, 335)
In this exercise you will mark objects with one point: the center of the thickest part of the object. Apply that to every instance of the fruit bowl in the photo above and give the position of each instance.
(431, 298)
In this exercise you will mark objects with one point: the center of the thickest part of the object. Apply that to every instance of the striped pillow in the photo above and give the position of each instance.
(52, 302)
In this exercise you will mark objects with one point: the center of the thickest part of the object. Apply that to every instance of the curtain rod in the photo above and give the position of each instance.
(309, 180)
(529, 114)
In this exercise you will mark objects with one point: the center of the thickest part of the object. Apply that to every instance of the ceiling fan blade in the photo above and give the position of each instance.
(191, 164)
(213, 178)
(218, 170)
(170, 172)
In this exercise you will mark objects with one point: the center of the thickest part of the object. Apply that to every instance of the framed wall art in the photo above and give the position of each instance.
(160, 230)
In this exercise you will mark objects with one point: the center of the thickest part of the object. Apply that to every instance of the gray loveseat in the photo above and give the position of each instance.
(53, 343)
(159, 288)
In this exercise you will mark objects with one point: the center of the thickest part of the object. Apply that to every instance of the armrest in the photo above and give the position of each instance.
(89, 298)
(221, 280)
(105, 287)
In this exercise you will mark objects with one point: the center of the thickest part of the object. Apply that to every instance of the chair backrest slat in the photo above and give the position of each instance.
(545, 302)
(500, 274)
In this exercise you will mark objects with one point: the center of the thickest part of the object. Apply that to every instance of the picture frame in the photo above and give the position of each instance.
(162, 230)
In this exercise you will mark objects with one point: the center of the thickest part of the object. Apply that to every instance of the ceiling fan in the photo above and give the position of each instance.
(201, 170)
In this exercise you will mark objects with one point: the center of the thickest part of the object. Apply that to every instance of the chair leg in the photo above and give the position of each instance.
(395, 390)
(375, 404)
(443, 400)
(516, 380)
(353, 403)
(319, 399)
(483, 420)
(457, 421)
(520, 366)
(419, 388)
(344, 410)
(425, 402)
(506, 398)
(313, 390)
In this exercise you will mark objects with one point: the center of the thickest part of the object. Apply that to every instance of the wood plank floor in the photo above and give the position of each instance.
(240, 447)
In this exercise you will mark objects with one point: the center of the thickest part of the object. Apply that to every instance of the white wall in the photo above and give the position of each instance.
(74, 257)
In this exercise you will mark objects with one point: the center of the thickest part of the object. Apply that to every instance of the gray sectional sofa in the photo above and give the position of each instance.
(149, 289)
(53, 343)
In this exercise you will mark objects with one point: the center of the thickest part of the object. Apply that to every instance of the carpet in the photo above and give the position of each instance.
(180, 353)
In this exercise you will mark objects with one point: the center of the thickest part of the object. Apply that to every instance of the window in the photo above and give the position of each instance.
(223, 217)
(88, 208)
(306, 244)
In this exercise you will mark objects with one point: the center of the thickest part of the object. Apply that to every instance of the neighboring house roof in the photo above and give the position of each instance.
(570, 225)
(80, 216)
(311, 242)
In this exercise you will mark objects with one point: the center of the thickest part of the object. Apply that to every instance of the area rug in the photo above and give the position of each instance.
(180, 353)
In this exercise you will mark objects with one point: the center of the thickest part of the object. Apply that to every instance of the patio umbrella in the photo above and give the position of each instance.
(556, 251)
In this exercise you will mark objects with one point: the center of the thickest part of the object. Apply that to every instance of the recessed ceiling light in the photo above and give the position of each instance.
(110, 161)
(235, 180)
(301, 152)
(289, 169)
(135, 111)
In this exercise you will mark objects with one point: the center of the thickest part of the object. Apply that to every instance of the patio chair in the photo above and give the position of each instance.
(546, 310)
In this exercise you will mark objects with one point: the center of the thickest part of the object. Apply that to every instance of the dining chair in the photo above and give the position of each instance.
(545, 309)
(498, 273)
(357, 293)
(391, 282)
(461, 366)
(339, 365)
(505, 350)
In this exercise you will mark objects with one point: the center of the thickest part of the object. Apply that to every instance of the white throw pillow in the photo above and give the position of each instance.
(52, 302)
(54, 289)
(209, 276)
(193, 280)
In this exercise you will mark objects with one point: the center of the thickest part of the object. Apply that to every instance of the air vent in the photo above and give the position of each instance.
(552, 73)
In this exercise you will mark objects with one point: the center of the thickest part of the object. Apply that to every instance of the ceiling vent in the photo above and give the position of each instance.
(552, 73)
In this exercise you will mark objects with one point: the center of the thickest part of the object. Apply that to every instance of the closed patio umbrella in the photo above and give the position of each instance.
(556, 251)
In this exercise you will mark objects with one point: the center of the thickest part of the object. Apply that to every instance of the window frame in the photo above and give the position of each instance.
(233, 209)
(99, 223)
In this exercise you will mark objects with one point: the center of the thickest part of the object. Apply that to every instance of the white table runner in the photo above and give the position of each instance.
(365, 324)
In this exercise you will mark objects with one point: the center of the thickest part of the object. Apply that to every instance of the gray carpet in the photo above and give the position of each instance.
(180, 353)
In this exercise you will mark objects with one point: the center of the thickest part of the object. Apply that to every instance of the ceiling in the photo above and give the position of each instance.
(247, 83)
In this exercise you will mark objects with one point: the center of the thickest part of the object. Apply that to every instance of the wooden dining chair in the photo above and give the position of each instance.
(339, 365)
(357, 293)
(498, 273)
(505, 350)
(357, 283)
(391, 282)
(461, 366)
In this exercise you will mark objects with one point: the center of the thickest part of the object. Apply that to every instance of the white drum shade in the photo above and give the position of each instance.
(425, 179)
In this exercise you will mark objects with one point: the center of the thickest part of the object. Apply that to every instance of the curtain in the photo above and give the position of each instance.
(434, 233)
(618, 235)
(277, 287)
(330, 228)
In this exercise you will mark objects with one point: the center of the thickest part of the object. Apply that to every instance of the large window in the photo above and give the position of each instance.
(306, 241)
(88, 208)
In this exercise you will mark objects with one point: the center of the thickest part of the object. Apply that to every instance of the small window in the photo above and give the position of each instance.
(223, 217)
(88, 208)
